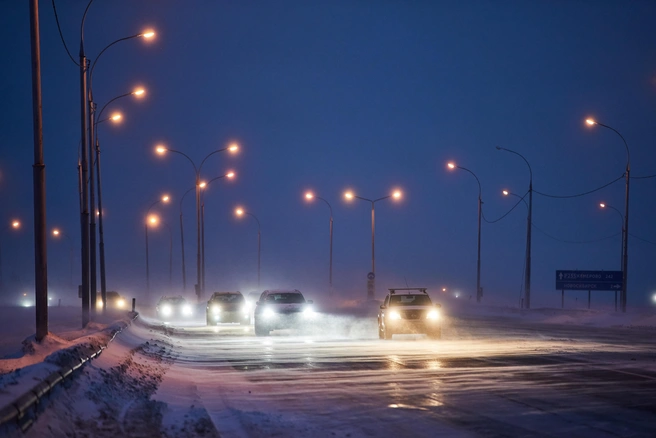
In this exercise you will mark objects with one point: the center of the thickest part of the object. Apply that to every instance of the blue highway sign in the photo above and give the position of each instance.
(589, 280)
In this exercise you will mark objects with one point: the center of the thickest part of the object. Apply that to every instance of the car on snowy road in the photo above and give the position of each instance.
(282, 309)
(170, 308)
(227, 307)
(409, 311)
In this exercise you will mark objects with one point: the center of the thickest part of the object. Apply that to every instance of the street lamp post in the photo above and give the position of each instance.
(153, 221)
(56, 232)
(184, 269)
(310, 196)
(116, 117)
(92, 147)
(204, 186)
(395, 195)
(625, 255)
(604, 206)
(479, 290)
(240, 212)
(529, 225)
(161, 150)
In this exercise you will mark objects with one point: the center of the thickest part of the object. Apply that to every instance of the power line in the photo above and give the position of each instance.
(54, 8)
(580, 194)
(640, 238)
(643, 177)
(506, 214)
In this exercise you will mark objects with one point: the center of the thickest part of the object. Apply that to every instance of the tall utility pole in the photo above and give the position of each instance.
(84, 158)
(527, 278)
(39, 174)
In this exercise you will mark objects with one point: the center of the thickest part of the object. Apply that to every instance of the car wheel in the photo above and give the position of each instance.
(435, 334)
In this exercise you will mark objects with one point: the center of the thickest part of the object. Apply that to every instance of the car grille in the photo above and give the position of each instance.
(412, 314)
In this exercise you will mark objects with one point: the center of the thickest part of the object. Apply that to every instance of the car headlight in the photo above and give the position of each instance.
(99, 304)
(167, 310)
(308, 312)
(216, 309)
(268, 313)
(433, 314)
(394, 315)
(187, 310)
(120, 303)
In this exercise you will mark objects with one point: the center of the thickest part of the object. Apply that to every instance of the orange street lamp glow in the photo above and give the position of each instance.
(202, 185)
(505, 192)
(230, 175)
(602, 205)
(165, 198)
(160, 149)
(139, 92)
(153, 220)
(309, 195)
(239, 211)
(396, 194)
(55, 232)
(590, 121)
(116, 117)
(148, 34)
(348, 195)
(234, 147)
(15, 224)
(451, 165)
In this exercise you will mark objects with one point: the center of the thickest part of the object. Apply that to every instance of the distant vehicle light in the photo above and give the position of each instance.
(167, 310)
(120, 303)
(187, 310)
(216, 309)
(99, 304)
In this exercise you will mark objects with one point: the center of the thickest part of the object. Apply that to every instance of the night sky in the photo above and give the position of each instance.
(369, 96)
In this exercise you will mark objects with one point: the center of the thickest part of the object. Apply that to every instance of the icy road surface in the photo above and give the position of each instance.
(490, 376)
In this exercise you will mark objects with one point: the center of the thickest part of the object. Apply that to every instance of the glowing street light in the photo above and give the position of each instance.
(151, 220)
(395, 195)
(239, 211)
(479, 289)
(310, 196)
(625, 239)
(162, 150)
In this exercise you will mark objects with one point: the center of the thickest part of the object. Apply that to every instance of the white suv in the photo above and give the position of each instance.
(409, 310)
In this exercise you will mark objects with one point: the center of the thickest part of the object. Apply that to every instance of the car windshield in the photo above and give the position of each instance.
(173, 300)
(229, 298)
(284, 298)
(410, 300)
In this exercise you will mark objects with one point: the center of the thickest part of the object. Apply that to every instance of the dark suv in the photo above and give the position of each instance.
(281, 309)
(409, 310)
(227, 307)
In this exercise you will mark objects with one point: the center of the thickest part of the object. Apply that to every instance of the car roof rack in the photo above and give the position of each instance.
(420, 289)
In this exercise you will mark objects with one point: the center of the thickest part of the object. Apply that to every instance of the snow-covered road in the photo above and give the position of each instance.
(489, 376)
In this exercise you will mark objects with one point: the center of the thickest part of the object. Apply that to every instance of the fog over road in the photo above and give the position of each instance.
(489, 376)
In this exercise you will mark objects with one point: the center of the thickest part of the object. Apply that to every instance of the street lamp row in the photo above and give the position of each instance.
(527, 279)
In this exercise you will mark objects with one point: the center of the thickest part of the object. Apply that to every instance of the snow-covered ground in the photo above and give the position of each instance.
(156, 380)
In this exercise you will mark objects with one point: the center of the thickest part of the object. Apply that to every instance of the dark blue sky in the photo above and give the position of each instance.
(337, 95)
